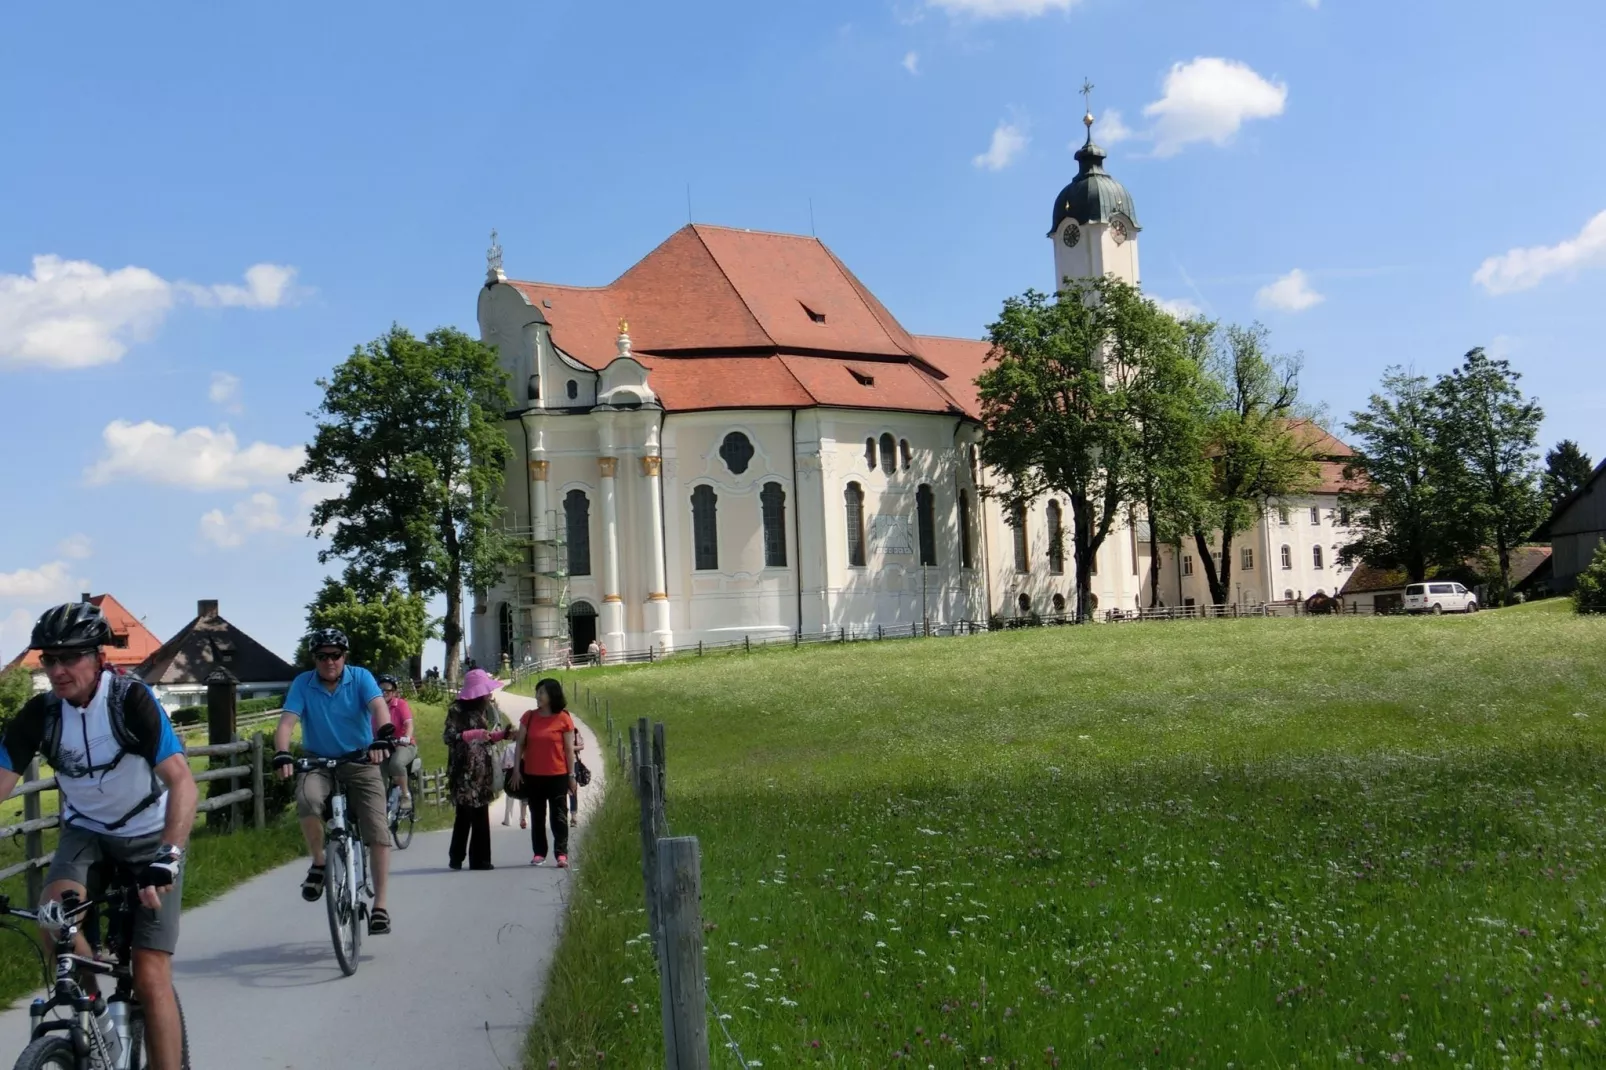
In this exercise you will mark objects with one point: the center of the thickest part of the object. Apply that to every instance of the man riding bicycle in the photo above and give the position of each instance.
(127, 797)
(343, 715)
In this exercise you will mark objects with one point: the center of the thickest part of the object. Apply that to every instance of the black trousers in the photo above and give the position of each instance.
(548, 797)
(471, 834)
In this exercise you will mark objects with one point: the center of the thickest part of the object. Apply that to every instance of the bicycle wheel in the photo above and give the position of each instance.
(136, 1037)
(341, 898)
(401, 829)
(48, 1053)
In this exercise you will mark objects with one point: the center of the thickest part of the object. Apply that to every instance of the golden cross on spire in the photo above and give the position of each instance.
(1087, 93)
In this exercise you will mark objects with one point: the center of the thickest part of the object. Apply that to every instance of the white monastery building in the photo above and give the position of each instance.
(735, 438)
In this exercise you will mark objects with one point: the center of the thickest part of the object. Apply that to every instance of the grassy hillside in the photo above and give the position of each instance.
(1278, 843)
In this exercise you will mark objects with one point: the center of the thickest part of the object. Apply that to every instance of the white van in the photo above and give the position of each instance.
(1438, 598)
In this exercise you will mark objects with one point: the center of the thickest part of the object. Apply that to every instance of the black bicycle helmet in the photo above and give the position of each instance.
(71, 626)
(328, 637)
(387, 679)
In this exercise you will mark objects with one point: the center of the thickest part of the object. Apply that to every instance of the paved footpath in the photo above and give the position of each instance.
(453, 985)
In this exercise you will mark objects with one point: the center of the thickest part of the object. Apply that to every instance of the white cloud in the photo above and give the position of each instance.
(225, 391)
(1181, 307)
(77, 547)
(911, 62)
(1002, 9)
(1291, 293)
(45, 585)
(258, 513)
(1008, 142)
(266, 286)
(75, 314)
(198, 458)
(1312, 4)
(1208, 99)
(1523, 269)
(1110, 129)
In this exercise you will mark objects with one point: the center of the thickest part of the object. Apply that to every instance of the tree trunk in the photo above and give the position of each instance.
(1505, 563)
(415, 661)
(1225, 572)
(1154, 565)
(452, 628)
(1207, 560)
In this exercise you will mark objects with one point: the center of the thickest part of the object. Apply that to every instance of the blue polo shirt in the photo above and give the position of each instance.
(334, 723)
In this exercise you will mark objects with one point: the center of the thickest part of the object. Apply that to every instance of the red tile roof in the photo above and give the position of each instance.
(726, 318)
(132, 641)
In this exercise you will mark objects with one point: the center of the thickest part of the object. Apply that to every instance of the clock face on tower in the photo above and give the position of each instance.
(1071, 235)
(1118, 231)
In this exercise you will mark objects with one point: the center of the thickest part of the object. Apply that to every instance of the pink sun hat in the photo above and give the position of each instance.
(478, 684)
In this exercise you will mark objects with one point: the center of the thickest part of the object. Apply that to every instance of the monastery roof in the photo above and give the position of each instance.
(132, 642)
(789, 324)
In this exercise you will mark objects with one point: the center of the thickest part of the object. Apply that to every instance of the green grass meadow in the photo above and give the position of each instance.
(1259, 843)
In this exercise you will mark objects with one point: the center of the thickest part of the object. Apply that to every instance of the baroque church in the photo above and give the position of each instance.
(735, 439)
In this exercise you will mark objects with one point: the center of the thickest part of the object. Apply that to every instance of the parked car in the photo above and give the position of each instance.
(1439, 598)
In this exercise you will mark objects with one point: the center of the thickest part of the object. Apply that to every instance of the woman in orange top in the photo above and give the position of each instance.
(543, 769)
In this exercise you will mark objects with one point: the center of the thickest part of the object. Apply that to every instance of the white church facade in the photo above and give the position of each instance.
(736, 439)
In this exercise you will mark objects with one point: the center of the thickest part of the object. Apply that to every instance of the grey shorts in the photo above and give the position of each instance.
(400, 758)
(78, 849)
(365, 798)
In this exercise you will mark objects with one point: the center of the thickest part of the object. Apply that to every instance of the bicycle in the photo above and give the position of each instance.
(75, 1042)
(402, 821)
(348, 879)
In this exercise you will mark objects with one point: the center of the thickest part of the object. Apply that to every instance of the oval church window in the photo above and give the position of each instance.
(737, 452)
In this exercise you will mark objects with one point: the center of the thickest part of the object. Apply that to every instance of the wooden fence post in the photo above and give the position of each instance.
(259, 804)
(33, 842)
(647, 789)
(683, 987)
(221, 686)
(659, 765)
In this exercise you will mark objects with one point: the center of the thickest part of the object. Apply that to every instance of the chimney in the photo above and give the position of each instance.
(206, 608)
(86, 596)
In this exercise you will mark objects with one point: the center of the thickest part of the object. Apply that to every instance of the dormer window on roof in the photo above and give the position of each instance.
(863, 378)
(817, 317)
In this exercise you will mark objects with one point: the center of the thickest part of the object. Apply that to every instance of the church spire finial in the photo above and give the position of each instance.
(493, 261)
(1087, 117)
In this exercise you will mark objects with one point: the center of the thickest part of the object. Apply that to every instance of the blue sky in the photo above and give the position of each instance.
(205, 208)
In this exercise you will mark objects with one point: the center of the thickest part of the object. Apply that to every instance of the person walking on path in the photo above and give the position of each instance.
(510, 752)
(544, 769)
(471, 776)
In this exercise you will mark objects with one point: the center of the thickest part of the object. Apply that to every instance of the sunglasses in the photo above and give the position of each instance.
(72, 657)
(330, 655)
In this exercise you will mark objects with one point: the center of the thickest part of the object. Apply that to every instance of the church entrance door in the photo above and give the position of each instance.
(582, 626)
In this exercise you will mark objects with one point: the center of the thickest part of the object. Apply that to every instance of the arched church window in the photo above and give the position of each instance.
(1023, 604)
(705, 528)
(965, 557)
(577, 531)
(1059, 605)
(869, 454)
(532, 390)
(1023, 561)
(573, 389)
(889, 454)
(905, 452)
(737, 452)
(1287, 557)
(772, 504)
(926, 518)
(854, 500)
(1056, 540)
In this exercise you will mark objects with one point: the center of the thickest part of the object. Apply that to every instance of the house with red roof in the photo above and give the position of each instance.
(131, 644)
(735, 438)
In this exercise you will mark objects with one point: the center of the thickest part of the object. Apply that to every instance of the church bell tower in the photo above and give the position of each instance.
(1095, 229)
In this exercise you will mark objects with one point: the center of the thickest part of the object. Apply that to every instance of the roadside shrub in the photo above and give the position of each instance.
(1590, 596)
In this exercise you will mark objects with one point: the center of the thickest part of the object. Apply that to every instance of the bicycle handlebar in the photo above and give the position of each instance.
(307, 765)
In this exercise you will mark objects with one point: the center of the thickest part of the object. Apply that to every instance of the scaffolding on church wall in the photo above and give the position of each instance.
(540, 590)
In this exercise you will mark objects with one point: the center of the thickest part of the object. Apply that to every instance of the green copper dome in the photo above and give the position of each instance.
(1093, 196)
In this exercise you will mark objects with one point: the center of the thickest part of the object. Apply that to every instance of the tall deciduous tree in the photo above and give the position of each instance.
(385, 627)
(1488, 450)
(1255, 448)
(16, 688)
(1396, 487)
(1057, 404)
(1169, 446)
(1566, 469)
(412, 428)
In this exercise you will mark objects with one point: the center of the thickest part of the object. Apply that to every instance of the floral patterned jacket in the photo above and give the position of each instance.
(470, 767)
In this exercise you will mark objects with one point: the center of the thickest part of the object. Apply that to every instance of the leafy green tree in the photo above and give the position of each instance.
(16, 687)
(412, 429)
(1396, 489)
(1254, 447)
(1566, 469)
(1487, 447)
(1057, 407)
(385, 628)
(1168, 455)
(1590, 594)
